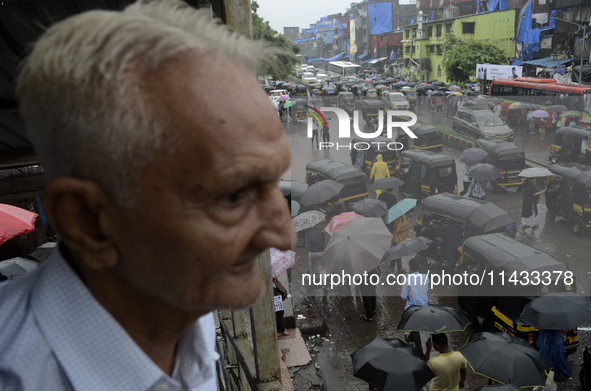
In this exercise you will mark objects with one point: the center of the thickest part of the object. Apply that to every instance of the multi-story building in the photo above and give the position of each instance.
(494, 27)
(291, 33)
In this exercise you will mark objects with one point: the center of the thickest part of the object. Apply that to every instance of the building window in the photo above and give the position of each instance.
(439, 52)
(430, 31)
(413, 50)
(467, 27)
(438, 30)
(407, 33)
(414, 33)
(439, 72)
(408, 49)
(431, 48)
(448, 28)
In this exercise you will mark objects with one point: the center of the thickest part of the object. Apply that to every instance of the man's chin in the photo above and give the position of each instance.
(242, 290)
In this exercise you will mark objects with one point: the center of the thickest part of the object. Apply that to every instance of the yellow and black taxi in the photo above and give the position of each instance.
(508, 158)
(512, 275)
(569, 196)
(571, 144)
(449, 219)
(354, 180)
(426, 173)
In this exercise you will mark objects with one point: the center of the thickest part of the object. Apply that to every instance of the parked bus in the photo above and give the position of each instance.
(542, 92)
(343, 68)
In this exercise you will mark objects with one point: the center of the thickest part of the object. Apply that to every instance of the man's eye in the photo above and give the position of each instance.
(233, 197)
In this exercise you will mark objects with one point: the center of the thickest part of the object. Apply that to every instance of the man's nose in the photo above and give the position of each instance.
(276, 223)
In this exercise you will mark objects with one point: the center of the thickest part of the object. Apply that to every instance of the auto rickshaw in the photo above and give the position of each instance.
(329, 95)
(380, 88)
(299, 111)
(569, 196)
(301, 92)
(429, 138)
(371, 93)
(449, 219)
(354, 180)
(346, 101)
(571, 144)
(426, 173)
(412, 97)
(497, 302)
(371, 111)
(369, 149)
(507, 157)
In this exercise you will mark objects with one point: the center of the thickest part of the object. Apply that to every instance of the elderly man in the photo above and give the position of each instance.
(163, 193)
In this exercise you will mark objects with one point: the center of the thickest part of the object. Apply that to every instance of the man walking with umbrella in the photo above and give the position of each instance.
(414, 291)
(449, 366)
(529, 206)
(551, 347)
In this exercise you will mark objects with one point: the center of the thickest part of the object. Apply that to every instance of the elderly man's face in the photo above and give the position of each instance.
(207, 210)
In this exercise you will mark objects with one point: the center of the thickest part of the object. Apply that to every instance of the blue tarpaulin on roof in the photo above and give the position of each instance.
(412, 20)
(517, 62)
(362, 55)
(326, 37)
(317, 59)
(525, 24)
(504, 5)
(340, 27)
(304, 40)
(501, 4)
(324, 18)
(371, 59)
(345, 44)
(352, 16)
(532, 41)
(432, 15)
(380, 17)
(335, 58)
(548, 62)
(552, 16)
(393, 55)
(324, 24)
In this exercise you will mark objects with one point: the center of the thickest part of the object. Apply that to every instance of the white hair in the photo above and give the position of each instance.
(79, 88)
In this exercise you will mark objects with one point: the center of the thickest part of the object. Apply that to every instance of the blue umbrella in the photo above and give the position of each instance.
(399, 209)
(295, 208)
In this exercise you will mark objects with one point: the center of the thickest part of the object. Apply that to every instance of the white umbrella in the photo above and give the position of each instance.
(535, 172)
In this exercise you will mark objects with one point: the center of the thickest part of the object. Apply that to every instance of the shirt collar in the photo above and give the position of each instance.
(95, 352)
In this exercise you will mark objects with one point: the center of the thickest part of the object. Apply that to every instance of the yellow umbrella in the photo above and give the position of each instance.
(514, 105)
(457, 93)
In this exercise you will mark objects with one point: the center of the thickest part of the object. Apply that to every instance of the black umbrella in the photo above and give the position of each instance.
(556, 108)
(320, 192)
(497, 100)
(427, 87)
(391, 365)
(432, 319)
(438, 92)
(386, 183)
(406, 248)
(472, 156)
(506, 359)
(557, 312)
(484, 172)
(469, 93)
(504, 387)
(438, 83)
(370, 208)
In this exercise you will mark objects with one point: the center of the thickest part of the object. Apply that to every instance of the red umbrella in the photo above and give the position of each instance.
(365, 71)
(15, 221)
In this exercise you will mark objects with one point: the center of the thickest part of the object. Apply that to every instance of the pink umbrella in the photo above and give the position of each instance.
(281, 261)
(368, 80)
(339, 221)
(15, 221)
(284, 97)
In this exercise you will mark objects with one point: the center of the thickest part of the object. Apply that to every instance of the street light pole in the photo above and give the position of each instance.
(582, 45)
(420, 36)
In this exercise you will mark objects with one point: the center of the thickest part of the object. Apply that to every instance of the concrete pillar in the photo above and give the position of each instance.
(237, 13)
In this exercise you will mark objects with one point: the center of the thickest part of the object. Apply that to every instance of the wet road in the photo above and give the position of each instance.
(341, 311)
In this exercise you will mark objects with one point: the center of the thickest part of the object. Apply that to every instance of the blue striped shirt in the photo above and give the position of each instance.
(54, 335)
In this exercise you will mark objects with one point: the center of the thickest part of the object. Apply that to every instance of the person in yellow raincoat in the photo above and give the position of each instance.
(379, 170)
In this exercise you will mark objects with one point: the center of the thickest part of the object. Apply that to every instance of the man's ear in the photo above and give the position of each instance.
(81, 213)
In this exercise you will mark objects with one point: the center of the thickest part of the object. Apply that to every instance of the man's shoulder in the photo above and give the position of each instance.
(23, 346)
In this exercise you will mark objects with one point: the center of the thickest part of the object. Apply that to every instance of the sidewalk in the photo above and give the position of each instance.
(536, 151)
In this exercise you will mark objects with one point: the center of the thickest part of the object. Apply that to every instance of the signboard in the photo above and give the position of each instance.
(561, 69)
(353, 49)
(492, 71)
(278, 303)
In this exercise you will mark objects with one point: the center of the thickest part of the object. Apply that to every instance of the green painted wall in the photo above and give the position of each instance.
(496, 27)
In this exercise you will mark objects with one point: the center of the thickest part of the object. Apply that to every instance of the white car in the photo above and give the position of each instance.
(274, 95)
(309, 77)
(321, 77)
(395, 100)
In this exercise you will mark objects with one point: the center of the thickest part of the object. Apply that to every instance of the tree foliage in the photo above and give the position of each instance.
(427, 68)
(262, 30)
(460, 57)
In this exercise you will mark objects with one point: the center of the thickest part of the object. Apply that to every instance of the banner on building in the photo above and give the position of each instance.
(353, 49)
(492, 71)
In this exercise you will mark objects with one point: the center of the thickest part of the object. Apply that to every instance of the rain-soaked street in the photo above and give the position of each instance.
(345, 332)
